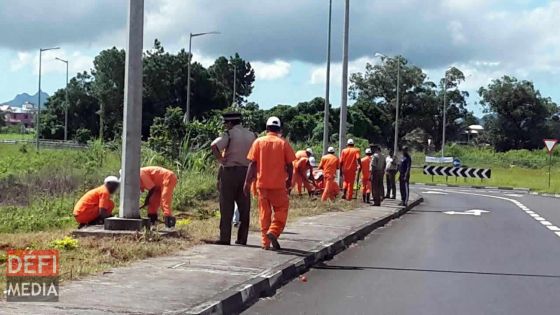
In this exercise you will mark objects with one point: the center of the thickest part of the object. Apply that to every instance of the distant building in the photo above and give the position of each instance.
(14, 116)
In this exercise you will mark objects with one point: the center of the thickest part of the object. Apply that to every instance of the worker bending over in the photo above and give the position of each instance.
(329, 165)
(96, 205)
(271, 165)
(302, 166)
(366, 181)
(349, 164)
(160, 183)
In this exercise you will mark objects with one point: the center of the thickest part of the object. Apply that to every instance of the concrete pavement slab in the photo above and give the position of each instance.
(212, 279)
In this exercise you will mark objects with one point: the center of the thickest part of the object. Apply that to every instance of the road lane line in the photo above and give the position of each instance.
(520, 205)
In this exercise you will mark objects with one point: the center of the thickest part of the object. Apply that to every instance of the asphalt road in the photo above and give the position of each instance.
(504, 261)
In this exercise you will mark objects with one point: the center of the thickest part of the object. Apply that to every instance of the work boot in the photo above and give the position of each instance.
(273, 241)
(368, 198)
(169, 221)
(364, 198)
(153, 218)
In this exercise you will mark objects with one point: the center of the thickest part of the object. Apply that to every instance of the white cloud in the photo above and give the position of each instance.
(319, 74)
(23, 59)
(78, 62)
(271, 71)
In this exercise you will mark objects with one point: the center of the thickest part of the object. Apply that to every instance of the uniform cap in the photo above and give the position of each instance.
(273, 121)
(309, 150)
(231, 116)
(368, 151)
(112, 179)
(330, 150)
(350, 141)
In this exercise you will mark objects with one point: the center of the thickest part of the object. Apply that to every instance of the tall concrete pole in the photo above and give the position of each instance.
(396, 144)
(444, 115)
(344, 92)
(37, 124)
(188, 109)
(234, 104)
(327, 87)
(132, 125)
(66, 107)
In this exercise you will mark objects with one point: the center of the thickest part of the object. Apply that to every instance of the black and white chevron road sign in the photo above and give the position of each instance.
(469, 172)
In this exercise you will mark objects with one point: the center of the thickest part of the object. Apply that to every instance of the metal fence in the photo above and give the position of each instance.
(48, 143)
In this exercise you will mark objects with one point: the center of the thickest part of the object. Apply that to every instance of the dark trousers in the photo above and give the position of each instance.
(390, 176)
(403, 183)
(377, 189)
(231, 192)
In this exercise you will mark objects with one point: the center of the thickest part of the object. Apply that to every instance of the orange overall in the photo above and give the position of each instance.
(349, 164)
(87, 208)
(163, 181)
(301, 166)
(329, 164)
(271, 155)
(366, 183)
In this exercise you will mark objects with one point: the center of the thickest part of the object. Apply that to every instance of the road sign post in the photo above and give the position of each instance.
(550, 144)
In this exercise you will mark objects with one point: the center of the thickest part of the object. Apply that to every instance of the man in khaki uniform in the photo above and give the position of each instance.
(231, 151)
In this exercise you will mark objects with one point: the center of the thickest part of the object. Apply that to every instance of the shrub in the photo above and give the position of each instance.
(83, 136)
(66, 243)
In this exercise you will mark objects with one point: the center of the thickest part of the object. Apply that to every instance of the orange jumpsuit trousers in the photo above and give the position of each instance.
(298, 181)
(331, 189)
(273, 212)
(163, 196)
(349, 177)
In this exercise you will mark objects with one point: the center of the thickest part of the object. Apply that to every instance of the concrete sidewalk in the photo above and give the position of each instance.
(212, 279)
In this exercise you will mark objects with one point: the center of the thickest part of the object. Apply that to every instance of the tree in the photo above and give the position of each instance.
(222, 74)
(518, 115)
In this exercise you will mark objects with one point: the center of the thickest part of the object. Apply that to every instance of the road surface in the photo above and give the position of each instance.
(504, 261)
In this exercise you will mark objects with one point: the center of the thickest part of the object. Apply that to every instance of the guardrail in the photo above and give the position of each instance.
(48, 143)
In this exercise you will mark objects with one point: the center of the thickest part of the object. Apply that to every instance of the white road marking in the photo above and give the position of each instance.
(431, 192)
(513, 195)
(475, 212)
(534, 215)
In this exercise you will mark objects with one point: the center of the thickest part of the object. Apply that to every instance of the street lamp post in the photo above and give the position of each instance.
(444, 115)
(327, 88)
(397, 105)
(37, 127)
(234, 104)
(188, 109)
(344, 92)
(67, 103)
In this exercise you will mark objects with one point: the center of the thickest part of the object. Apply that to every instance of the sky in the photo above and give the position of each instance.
(285, 41)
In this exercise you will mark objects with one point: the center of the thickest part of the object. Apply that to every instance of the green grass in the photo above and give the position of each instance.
(16, 136)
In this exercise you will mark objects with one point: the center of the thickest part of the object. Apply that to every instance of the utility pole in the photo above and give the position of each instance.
(327, 88)
(132, 124)
(187, 116)
(396, 144)
(233, 103)
(38, 125)
(444, 115)
(344, 96)
(67, 102)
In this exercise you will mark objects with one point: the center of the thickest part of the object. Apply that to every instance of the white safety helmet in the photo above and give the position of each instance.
(309, 150)
(368, 151)
(112, 179)
(312, 161)
(350, 142)
(330, 150)
(274, 121)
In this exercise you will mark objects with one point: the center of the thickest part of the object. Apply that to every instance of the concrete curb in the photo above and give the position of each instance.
(239, 298)
(475, 186)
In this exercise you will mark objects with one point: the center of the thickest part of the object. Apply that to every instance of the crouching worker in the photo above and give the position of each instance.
(160, 183)
(96, 205)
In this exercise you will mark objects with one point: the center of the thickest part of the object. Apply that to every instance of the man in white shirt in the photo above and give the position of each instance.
(390, 175)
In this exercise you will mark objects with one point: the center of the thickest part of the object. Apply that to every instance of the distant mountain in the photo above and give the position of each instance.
(20, 99)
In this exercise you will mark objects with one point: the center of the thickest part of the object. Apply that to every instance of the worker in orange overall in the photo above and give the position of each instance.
(160, 183)
(366, 183)
(349, 164)
(96, 205)
(329, 165)
(271, 166)
(302, 166)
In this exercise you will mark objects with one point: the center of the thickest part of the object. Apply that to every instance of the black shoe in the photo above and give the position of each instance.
(81, 226)
(153, 218)
(402, 204)
(236, 224)
(169, 221)
(273, 241)
(240, 243)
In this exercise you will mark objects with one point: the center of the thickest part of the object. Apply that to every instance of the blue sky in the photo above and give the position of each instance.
(286, 40)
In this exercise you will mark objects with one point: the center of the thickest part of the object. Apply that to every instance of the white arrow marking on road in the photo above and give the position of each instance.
(431, 192)
(475, 212)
